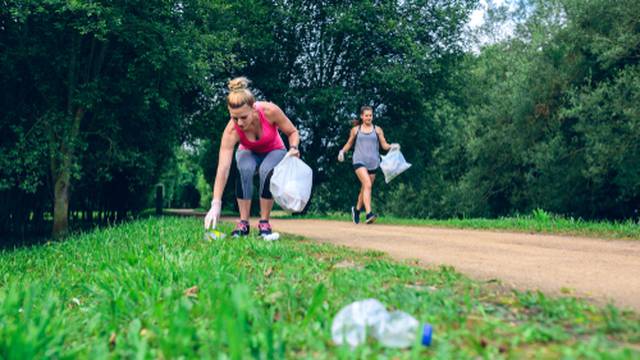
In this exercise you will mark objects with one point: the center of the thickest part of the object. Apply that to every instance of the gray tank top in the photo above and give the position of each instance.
(367, 151)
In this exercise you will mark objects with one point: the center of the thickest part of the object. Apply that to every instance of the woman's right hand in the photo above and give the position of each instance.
(341, 156)
(211, 219)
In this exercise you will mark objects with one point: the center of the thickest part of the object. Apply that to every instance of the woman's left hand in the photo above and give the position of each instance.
(293, 151)
(394, 146)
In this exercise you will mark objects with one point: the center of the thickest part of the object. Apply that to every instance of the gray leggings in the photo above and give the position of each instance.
(247, 161)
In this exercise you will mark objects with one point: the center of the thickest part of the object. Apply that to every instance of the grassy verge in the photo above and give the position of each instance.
(538, 222)
(155, 289)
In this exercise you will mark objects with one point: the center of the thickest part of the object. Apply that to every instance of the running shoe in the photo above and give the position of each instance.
(264, 228)
(242, 229)
(371, 218)
(355, 215)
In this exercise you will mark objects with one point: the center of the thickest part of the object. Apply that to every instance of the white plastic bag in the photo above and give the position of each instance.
(393, 164)
(291, 184)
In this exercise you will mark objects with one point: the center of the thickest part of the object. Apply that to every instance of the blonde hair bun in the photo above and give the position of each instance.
(238, 84)
(239, 93)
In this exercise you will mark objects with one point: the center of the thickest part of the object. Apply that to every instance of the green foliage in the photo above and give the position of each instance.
(320, 61)
(128, 291)
(551, 116)
(542, 119)
(541, 216)
(182, 180)
(102, 93)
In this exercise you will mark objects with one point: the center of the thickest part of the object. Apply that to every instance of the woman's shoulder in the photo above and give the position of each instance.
(230, 133)
(230, 129)
(270, 110)
(267, 107)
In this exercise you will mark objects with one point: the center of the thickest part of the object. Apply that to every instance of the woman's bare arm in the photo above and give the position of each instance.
(225, 157)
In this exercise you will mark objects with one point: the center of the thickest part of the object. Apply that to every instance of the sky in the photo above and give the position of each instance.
(477, 15)
(477, 19)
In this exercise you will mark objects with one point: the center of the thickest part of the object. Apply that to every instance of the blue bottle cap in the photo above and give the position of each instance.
(427, 330)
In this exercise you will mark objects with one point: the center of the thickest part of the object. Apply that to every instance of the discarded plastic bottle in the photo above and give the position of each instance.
(395, 329)
(213, 234)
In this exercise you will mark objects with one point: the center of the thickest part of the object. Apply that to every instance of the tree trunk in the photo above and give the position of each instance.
(62, 146)
(61, 171)
(61, 204)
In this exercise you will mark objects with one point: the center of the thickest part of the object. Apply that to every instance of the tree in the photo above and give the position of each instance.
(322, 60)
(549, 114)
(107, 85)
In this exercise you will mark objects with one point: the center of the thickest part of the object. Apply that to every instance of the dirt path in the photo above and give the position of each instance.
(599, 270)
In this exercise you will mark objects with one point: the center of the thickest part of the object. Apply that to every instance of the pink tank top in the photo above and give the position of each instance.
(270, 139)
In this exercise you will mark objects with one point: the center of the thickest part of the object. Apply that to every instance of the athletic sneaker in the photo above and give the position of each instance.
(371, 217)
(242, 229)
(264, 228)
(355, 215)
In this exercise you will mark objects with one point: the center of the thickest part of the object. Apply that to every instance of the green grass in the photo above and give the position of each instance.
(539, 221)
(120, 293)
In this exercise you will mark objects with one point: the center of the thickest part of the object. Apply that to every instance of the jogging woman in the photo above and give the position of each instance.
(368, 139)
(255, 125)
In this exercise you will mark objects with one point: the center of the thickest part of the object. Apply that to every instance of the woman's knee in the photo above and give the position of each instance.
(245, 163)
(265, 173)
(247, 170)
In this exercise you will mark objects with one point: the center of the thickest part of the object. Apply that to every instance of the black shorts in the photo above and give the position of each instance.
(357, 166)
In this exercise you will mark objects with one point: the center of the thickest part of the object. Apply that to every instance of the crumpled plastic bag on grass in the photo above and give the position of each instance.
(393, 164)
(291, 184)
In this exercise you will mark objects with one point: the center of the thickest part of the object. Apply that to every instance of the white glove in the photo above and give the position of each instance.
(341, 156)
(211, 220)
(293, 151)
(395, 146)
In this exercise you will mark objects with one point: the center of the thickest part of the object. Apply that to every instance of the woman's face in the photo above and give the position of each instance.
(242, 116)
(367, 117)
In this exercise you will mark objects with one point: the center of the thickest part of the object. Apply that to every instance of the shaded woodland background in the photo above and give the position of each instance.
(103, 100)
